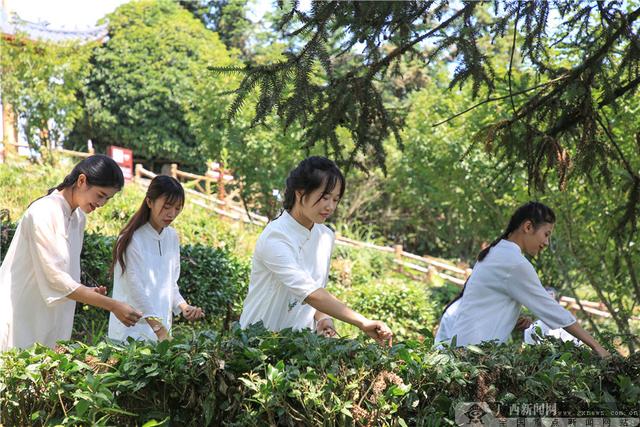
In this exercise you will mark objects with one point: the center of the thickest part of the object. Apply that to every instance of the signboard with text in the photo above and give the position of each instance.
(124, 158)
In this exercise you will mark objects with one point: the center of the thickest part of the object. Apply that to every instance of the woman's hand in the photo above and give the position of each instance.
(325, 327)
(162, 334)
(522, 323)
(379, 331)
(128, 315)
(191, 312)
(102, 290)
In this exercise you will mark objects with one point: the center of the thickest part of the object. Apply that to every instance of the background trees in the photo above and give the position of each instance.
(445, 119)
(149, 88)
(577, 59)
(41, 80)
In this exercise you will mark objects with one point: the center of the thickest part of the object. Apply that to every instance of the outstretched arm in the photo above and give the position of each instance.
(124, 312)
(584, 336)
(323, 301)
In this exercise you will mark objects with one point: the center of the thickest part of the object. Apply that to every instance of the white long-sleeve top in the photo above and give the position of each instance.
(41, 267)
(289, 263)
(445, 329)
(497, 288)
(149, 283)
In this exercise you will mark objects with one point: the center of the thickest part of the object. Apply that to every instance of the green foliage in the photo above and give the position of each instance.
(149, 88)
(356, 267)
(194, 225)
(42, 81)
(22, 183)
(261, 158)
(228, 18)
(292, 378)
(368, 282)
(575, 68)
(214, 280)
(403, 305)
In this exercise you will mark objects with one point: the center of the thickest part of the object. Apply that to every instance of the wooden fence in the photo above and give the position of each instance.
(408, 263)
(57, 150)
(426, 265)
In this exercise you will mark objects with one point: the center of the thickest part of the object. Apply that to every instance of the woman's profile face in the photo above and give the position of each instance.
(536, 239)
(91, 197)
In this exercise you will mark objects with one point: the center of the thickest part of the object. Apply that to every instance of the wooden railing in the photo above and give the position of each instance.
(425, 265)
(221, 207)
(76, 153)
(58, 150)
(407, 262)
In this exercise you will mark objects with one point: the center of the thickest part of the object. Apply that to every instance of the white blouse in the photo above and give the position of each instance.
(445, 329)
(41, 267)
(149, 283)
(497, 288)
(289, 263)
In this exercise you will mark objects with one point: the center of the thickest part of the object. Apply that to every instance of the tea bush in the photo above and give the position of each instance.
(255, 377)
(214, 374)
(404, 305)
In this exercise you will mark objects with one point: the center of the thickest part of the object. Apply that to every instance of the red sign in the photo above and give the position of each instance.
(124, 158)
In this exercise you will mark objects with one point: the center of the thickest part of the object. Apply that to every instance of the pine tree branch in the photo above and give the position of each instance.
(499, 98)
(397, 52)
(513, 49)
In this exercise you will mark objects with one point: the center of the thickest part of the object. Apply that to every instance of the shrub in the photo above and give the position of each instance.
(404, 305)
(255, 377)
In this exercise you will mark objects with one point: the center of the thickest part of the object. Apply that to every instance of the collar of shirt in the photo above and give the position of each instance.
(508, 244)
(66, 207)
(152, 233)
(299, 233)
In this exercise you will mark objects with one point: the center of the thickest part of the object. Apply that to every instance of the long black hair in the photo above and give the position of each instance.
(161, 185)
(308, 176)
(99, 169)
(535, 212)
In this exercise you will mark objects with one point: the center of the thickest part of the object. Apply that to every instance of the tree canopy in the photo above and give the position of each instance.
(149, 88)
(577, 60)
(42, 80)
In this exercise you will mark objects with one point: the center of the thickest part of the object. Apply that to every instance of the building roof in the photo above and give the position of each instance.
(41, 31)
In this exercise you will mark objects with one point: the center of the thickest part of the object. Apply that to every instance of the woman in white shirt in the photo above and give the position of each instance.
(146, 265)
(290, 266)
(40, 275)
(503, 280)
(445, 328)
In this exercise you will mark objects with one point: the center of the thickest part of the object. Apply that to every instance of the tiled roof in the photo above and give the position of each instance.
(42, 31)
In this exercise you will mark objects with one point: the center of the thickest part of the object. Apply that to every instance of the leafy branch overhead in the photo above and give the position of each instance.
(574, 61)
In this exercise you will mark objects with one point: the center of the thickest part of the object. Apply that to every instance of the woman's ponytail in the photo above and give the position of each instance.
(535, 212)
